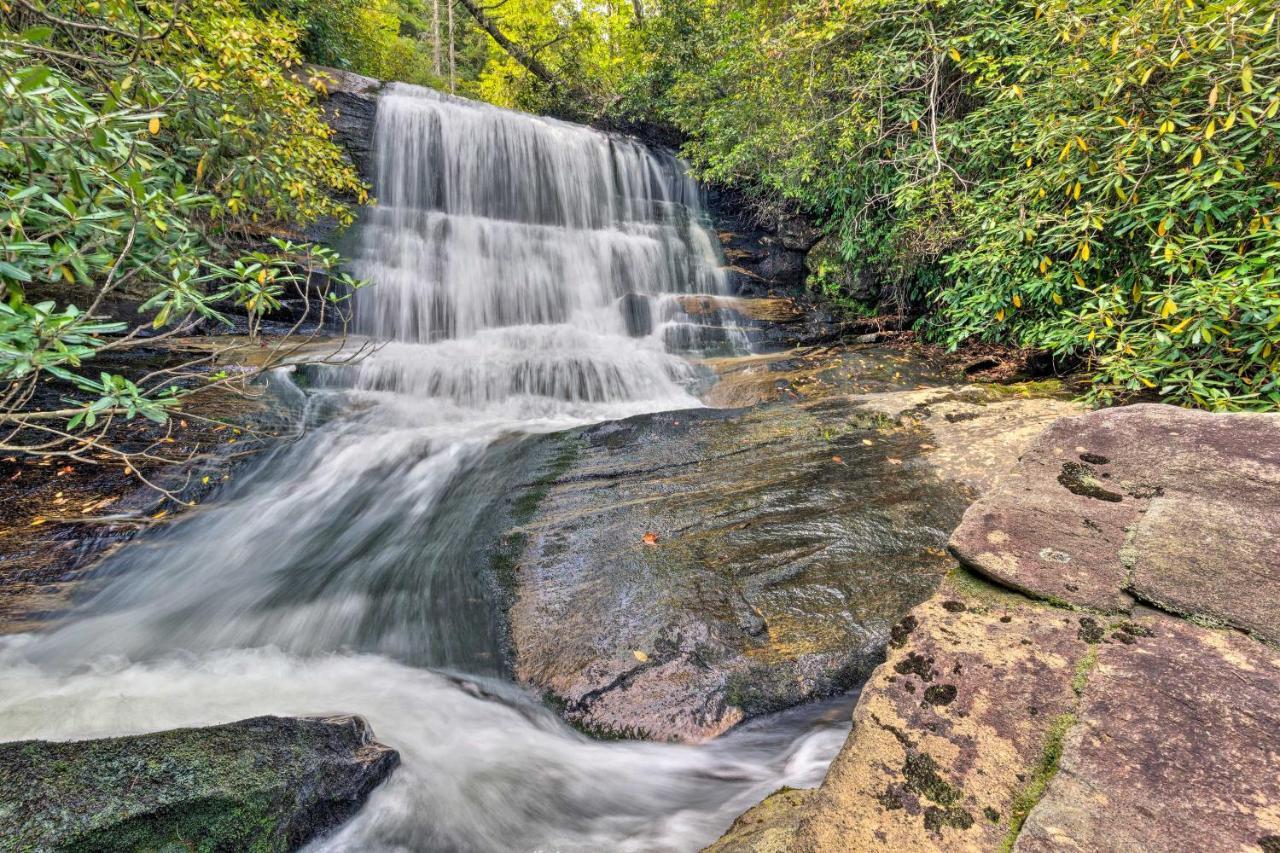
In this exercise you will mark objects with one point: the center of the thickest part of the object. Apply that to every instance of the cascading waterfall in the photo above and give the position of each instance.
(528, 276)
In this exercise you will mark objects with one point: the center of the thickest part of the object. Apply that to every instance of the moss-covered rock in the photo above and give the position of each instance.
(262, 784)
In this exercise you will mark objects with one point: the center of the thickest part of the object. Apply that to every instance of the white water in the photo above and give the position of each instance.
(527, 274)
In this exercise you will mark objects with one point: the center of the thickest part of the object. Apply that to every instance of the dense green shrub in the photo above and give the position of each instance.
(132, 145)
(1095, 179)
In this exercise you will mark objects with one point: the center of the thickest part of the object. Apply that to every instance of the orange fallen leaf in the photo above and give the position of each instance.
(650, 538)
(837, 459)
(893, 461)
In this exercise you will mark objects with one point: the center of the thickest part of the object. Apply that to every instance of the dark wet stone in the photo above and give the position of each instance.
(267, 783)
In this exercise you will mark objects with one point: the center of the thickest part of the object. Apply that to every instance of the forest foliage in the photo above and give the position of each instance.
(1095, 179)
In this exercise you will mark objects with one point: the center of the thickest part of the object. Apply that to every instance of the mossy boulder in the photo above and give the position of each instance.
(262, 784)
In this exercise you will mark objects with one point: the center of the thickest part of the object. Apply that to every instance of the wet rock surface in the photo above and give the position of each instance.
(1177, 508)
(687, 570)
(1004, 720)
(267, 783)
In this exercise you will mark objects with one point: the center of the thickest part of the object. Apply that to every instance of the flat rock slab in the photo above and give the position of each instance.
(1177, 747)
(267, 783)
(949, 730)
(691, 569)
(688, 570)
(1176, 507)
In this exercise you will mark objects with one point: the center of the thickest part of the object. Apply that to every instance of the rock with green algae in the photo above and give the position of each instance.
(262, 784)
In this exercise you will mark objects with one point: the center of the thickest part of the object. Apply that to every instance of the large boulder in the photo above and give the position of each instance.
(267, 783)
(686, 570)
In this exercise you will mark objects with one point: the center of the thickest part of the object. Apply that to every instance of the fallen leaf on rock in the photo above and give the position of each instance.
(650, 538)
(837, 459)
(640, 656)
(38, 520)
(868, 442)
(893, 461)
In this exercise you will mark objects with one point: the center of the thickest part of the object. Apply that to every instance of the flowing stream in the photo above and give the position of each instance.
(528, 279)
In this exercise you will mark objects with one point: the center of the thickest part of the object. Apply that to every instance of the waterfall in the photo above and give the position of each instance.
(528, 261)
(527, 277)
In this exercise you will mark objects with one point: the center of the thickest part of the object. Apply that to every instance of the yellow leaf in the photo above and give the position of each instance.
(38, 520)
(1000, 315)
(262, 276)
(915, 125)
(1167, 309)
(1197, 157)
(1229, 120)
(1080, 142)
(1017, 301)
(1213, 96)
(1161, 230)
(1075, 191)
(1084, 251)
(1092, 334)
(200, 169)
(955, 54)
(1057, 299)
(1246, 79)
(1209, 130)
(204, 480)
(154, 126)
(640, 656)
(1136, 293)
(1079, 280)
(1017, 90)
(1181, 327)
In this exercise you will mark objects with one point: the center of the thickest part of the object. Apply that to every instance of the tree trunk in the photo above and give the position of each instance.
(452, 63)
(518, 53)
(435, 37)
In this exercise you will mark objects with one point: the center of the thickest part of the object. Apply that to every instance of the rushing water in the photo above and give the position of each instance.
(528, 277)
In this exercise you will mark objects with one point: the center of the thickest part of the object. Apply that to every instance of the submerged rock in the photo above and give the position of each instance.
(266, 783)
